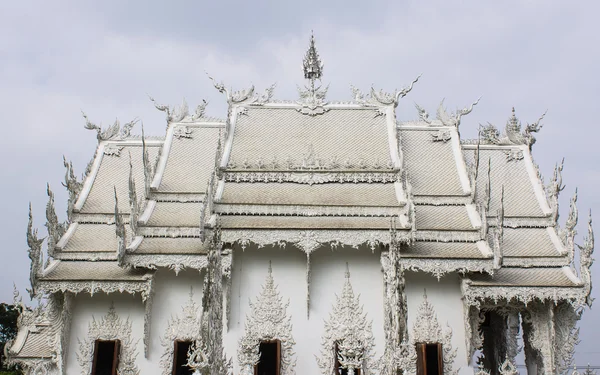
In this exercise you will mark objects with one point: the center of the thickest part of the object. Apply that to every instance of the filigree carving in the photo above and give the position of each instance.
(35, 254)
(441, 136)
(246, 96)
(148, 167)
(310, 162)
(55, 229)
(113, 132)
(181, 113)
(440, 267)
(120, 233)
(586, 261)
(568, 233)
(427, 329)
(73, 186)
(134, 204)
(261, 209)
(508, 367)
(184, 328)
(93, 287)
(378, 98)
(453, 119)
(512, 134)
(348, 329)
(475, 295)
(566, 336)
(182, 132)
(395, 305)
(312, 177)
(110, 327)
(212, 307)
(113, 150)
(553, 190)
(268, 320)
(309, 240)
(175, 262)
(514, 155)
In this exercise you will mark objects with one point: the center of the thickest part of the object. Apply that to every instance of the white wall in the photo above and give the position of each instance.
(289, 267)
(171, 293)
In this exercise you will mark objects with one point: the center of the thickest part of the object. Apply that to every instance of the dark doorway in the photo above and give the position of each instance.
(180, 358)
(270, 358)
(106, 357)
(429, 359)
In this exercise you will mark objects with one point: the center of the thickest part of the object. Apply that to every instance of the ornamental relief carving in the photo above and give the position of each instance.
(348, 330)
(427, 329)
(184, 328)
(110, 327)
(268, 320)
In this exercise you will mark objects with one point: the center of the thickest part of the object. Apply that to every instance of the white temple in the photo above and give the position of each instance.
(306, 237)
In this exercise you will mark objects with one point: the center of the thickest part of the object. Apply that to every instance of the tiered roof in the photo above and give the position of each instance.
(311, 174)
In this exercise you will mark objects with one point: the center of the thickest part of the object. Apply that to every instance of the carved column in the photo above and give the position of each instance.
(538, 336)
(512, 334)
(395, 309)
(566, 335)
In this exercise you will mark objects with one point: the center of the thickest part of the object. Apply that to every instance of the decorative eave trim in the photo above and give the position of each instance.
(172, 232)
(95, 218)
(310, 240)
(478, 295)
(89, 256)
(143, 287)
(305, 210)
(440, 267)
(447, 236)
(442, 200)
(160, 196)
(422, 125)
(174, 262)
(311, 177)
(527, 262)
(522, 222)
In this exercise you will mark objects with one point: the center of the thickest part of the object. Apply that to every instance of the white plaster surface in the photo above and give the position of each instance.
(289, 272)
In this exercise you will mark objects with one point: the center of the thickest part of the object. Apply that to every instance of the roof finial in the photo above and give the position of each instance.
(313, 67)
(347, 273)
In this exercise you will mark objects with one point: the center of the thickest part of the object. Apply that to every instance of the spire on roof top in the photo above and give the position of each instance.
(312, 99)
(313, 67)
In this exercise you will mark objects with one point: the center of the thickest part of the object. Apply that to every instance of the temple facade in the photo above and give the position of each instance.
(306, 237)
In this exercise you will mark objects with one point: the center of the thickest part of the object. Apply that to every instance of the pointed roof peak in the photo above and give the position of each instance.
(313, 67)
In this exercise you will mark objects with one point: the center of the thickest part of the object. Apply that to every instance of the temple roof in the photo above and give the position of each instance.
(313, 172)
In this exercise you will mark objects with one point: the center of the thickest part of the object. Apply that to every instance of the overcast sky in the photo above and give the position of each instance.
(60, 57)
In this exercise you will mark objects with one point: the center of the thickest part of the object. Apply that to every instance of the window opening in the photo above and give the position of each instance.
(270, 358)
(180, 358)
(106, 357)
